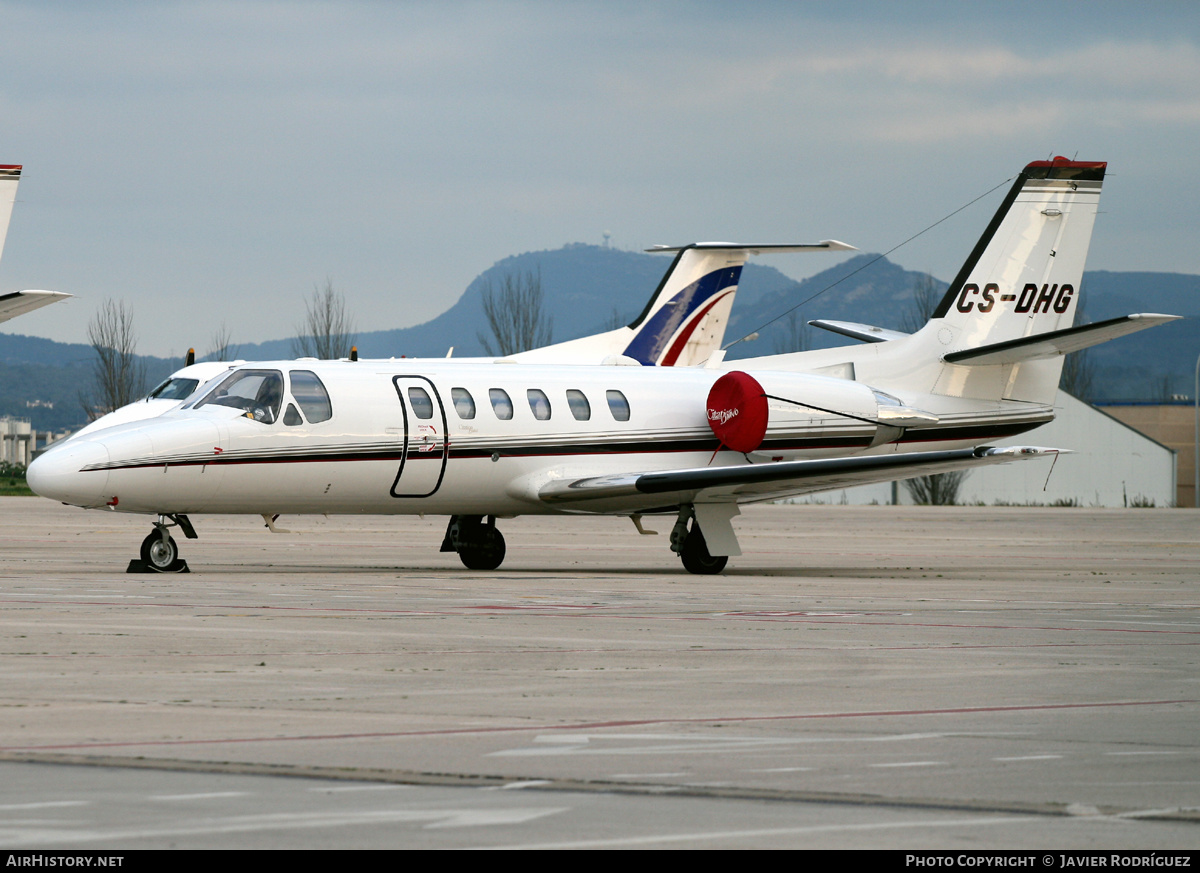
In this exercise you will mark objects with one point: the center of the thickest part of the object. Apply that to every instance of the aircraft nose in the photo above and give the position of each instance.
(67, 474)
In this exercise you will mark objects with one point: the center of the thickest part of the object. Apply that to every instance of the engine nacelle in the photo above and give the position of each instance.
(782, 416)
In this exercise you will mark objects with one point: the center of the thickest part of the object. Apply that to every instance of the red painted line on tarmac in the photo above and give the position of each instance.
(596, 725)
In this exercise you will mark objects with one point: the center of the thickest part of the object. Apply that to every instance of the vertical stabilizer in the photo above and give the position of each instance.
(10, 175)
(684, 321)
(1021, 279)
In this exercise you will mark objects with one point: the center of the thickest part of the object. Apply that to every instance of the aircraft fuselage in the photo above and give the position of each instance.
(453, 438)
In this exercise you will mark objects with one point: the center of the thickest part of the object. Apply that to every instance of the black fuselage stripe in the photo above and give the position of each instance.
(977, 433)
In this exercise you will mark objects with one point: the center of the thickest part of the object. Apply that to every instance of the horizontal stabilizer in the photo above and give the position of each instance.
(769, 481)
(1058, 342)
(20, 302)
(825, 245)
(868, 333)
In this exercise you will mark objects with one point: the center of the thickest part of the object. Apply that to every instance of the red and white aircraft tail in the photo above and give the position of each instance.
(684, 322)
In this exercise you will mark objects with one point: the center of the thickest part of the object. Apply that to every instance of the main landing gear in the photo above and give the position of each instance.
(691, 547)
(479, 544)
(160, 553)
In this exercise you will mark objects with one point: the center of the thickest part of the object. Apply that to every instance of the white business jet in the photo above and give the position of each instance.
(17, 302)
(481, 441)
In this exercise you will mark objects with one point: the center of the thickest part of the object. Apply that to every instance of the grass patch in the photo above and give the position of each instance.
(12, 480)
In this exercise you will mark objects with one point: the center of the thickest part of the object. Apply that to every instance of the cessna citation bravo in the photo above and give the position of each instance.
(481, 441)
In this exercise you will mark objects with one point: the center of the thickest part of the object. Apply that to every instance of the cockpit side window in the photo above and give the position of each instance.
(258, 393)
(310, 393)
(174, 389)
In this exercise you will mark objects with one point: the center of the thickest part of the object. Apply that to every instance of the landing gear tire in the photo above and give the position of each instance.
(485, 551)
(159, 555)
(696, 558)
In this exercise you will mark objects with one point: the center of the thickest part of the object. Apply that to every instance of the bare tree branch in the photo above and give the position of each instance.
(119, 376)
(222, 350)
(514, 314)
(940, 489)
(1079, 370)
(925, 302)
(794, 335)
(327, 331)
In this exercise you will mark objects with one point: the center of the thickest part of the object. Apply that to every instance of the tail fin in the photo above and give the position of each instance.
(1022, 279)
(1023, 276)
(10, 175)
(684, 321)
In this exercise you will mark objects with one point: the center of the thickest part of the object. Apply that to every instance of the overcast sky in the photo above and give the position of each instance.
(212, 162)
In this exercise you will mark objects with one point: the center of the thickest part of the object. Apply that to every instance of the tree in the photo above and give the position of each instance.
(793, 336)
(925, 302)
(222, 350)
(327, 331)
(939, 489)
(514, 314)
(1079, 370)
(119, 376)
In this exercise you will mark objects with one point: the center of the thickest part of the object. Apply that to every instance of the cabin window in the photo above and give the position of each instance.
(174, 389)
(539, 404)
(258, 393)
(464, 403)
(422, 406)
(618, 405)
(310, 393)
(501, 403)
(292, 417)
(580, 408)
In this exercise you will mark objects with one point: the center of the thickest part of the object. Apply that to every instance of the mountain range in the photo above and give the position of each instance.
(588, 289)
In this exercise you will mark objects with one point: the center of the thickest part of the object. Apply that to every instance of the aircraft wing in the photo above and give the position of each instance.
(20, 302)
(748, 483)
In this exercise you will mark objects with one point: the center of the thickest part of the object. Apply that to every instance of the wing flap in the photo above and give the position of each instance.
(750, 482)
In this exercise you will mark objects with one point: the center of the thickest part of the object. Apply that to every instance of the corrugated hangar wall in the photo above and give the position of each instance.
(1112, 465)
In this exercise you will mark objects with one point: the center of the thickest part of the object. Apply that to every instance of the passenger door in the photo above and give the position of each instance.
(423, 462)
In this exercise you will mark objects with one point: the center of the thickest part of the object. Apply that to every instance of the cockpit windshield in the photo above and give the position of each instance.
(174, 389)
(258, 393)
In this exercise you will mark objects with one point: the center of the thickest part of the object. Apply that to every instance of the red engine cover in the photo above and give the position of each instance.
(737, 411)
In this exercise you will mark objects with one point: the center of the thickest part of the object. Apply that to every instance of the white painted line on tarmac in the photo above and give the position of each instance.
(767, 832)
(1030, 758)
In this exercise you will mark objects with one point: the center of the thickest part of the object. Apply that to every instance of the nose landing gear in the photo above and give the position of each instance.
(159, 552)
